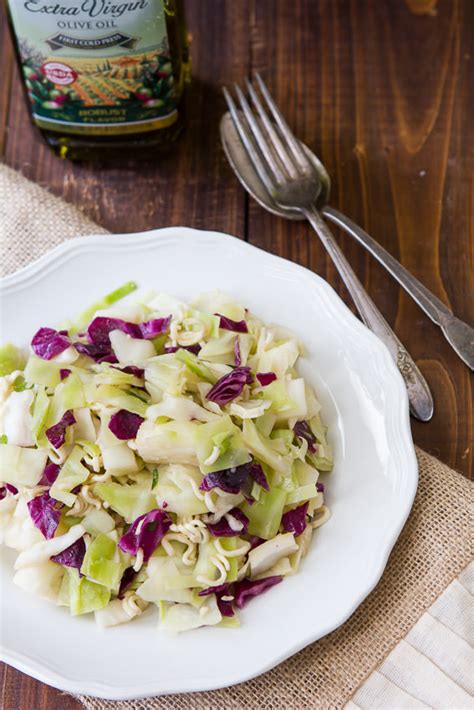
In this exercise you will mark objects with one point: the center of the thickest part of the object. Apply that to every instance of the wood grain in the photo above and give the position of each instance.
(383, 92)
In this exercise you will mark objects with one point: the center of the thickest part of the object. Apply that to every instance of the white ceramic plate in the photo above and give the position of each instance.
(370, 491)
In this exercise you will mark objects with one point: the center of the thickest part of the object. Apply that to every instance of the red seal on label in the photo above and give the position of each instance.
(59, 73)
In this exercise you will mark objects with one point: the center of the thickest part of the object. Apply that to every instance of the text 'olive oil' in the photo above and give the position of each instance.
(104, 78)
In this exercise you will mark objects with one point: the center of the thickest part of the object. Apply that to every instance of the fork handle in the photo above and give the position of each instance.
(419, 395)
(459, 334)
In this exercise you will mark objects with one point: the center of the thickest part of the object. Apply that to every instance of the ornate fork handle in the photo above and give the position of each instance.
(421, 401)
(459, 334)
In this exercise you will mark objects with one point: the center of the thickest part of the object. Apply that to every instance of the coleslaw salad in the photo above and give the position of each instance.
(159, 452)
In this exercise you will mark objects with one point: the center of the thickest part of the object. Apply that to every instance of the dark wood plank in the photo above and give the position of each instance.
(383, 93)
(20, 692)
(6, 63)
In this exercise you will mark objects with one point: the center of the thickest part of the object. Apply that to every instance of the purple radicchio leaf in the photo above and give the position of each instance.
(237, 326)
(246, 589)
(50, 474)
(127, 579)
(320, 487)
(230, 386)
(225, 587)
(294, 521)
(110, 358)
(237, 353)
(265, 378)
(132, 370)
(72, 556)
(64, 372)
(236, 479)
(195, 349)
(98, 352)
(99, 330)
(224, 528)
(45, 513)
(146, 533)
(303, 430)
(255, 541)
(125, 425)
(152, 328)
(258, 475)
(7, 488)
(225, 606)
(56, 434)
(47, 343)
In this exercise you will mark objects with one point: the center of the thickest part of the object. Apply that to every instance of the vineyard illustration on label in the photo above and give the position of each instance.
(141, 84)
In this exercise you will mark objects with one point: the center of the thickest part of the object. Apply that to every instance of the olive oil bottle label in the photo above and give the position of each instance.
(96, 67)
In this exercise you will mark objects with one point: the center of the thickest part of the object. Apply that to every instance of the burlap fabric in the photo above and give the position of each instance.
(433, 548)
(32, 221)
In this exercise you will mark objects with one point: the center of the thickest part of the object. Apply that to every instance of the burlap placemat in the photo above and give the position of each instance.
(32, 221)
(433, 548)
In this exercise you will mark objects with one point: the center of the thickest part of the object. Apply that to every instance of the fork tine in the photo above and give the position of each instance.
(287, 133)
(247, 143)
(273, 136)
(259, 138)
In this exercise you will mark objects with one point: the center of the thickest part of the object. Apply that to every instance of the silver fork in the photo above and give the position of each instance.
(292, 182)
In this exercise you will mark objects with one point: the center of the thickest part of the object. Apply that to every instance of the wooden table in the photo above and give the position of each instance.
(383, 92)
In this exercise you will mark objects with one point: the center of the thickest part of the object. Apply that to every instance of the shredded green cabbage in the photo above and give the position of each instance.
(179, 469)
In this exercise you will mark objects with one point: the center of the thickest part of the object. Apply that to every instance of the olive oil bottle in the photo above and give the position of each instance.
(105, 79)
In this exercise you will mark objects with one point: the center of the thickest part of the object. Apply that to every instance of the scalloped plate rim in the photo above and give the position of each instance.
(103, 242)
